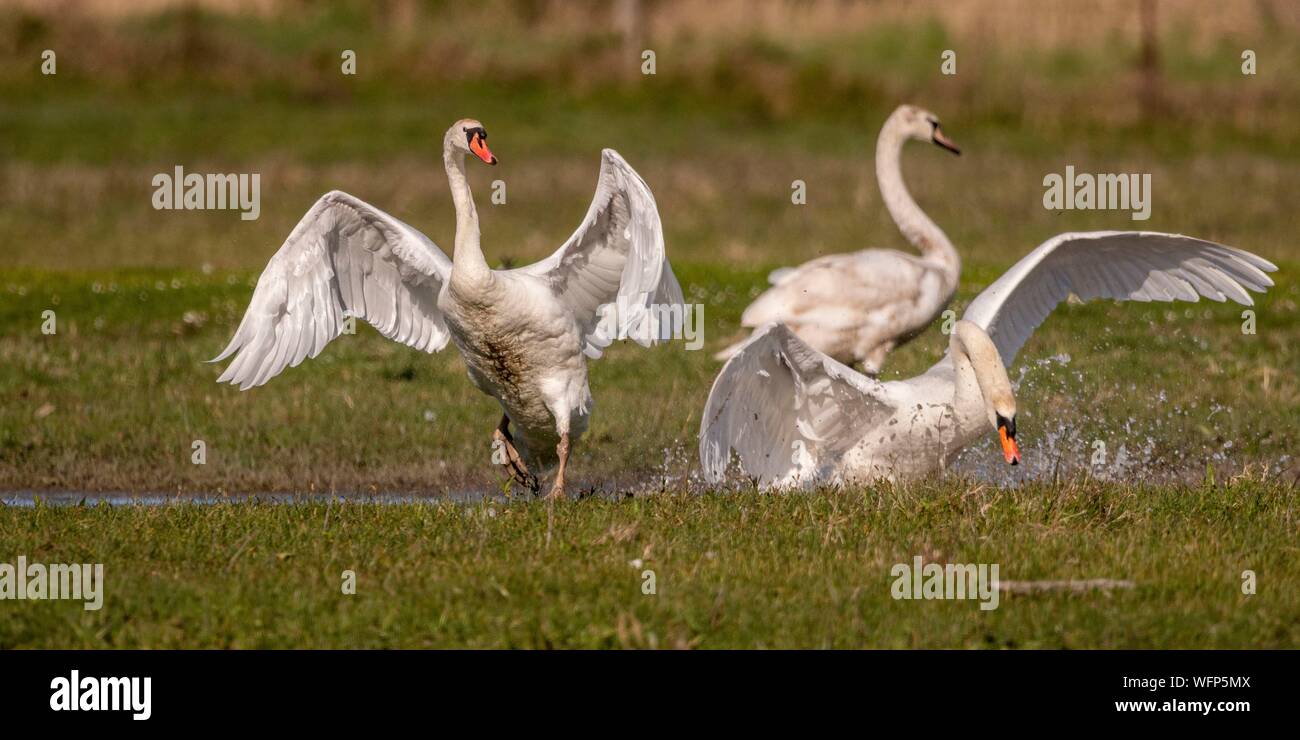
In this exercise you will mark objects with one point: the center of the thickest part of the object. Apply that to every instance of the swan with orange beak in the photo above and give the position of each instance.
(796, 417)
(525, 334)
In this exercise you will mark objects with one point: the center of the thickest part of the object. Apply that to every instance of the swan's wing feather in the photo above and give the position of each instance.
(1121, 265)
(786, 410)
(614, 269)
(344, 258)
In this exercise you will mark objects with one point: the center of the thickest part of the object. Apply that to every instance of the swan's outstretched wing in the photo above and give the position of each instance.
(1123, 265)
(344, 258)
(613, 272)
(787, 410)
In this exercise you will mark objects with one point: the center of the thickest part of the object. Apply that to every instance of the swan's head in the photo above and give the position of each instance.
(469, 136)
(1001, 403)
(922, 125)
(1006, 426)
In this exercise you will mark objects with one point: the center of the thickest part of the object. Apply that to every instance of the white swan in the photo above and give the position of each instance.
(523, 333)
(858, 307)
(796, 417)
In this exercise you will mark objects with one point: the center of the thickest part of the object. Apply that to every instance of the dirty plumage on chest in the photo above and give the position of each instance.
(496, 353)
(499, 365)
(501, 358)
(502, 362)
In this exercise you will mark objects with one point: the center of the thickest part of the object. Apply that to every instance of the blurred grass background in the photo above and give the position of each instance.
(747, 97)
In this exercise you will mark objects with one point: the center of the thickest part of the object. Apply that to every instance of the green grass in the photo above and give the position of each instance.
(114, 400)
(738, 570)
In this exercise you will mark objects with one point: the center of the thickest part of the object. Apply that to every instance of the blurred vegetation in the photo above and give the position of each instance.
(550, 57)
(746, 98)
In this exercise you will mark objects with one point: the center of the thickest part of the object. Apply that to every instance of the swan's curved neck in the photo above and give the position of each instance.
(981, 381)
(467, 258)
(917, 227)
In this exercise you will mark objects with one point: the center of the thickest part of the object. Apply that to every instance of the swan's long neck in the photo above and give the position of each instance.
(982, 383)
(468, 263)
(917, 227)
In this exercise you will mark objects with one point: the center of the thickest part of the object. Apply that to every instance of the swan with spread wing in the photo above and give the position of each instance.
(525, 334)
(796, 417)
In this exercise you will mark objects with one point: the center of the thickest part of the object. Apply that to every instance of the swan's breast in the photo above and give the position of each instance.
(519, 344)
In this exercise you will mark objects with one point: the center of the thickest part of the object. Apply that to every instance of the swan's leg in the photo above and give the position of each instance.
(562, 449)
(514, 464)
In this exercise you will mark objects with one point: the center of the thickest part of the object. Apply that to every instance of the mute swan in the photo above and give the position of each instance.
(797, 417)
(523, 333)
(858, 307)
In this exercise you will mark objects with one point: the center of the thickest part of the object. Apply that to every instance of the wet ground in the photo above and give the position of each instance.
(30, 499)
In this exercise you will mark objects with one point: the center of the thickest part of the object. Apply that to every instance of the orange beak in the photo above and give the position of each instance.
(1010, 450)
(480, 148)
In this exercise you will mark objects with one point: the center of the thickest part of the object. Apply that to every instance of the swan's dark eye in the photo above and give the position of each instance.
(470, 133)
(1008, 424)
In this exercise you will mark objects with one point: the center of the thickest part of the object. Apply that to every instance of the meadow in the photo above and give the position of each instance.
(729, 571)
(1199, 419)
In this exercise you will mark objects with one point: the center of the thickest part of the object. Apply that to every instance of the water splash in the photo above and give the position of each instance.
(1065, 432)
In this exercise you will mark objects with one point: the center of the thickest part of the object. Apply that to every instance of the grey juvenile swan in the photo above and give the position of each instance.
(858, 307)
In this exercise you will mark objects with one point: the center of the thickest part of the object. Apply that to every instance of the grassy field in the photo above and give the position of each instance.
(115, 400)
(736, 570)
(1201, 421)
